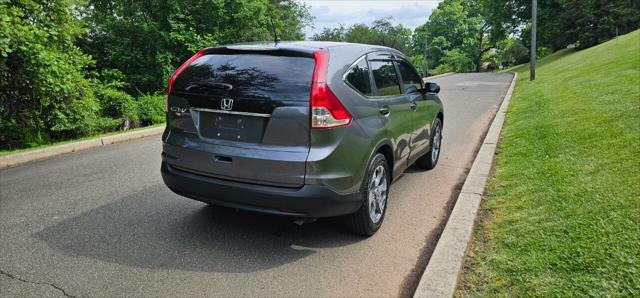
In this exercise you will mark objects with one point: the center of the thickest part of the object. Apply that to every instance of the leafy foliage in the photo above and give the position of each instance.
(43, 91)
(460, 26)
(565, 22)
(381, 32)
(150, 109)
(147, 40)
(70, 68)
(512, 52)
(476, 27)
(458, 61)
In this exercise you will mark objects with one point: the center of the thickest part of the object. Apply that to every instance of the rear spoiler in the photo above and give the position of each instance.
(261, 50)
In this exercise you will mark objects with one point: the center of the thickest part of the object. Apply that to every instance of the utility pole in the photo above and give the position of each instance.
(534, 21)
(426, 53)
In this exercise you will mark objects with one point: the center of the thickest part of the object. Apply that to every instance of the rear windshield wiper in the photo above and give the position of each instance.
(218, 86)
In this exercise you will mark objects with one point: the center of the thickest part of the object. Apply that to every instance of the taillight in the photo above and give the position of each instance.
(326, 109)
(173, 77)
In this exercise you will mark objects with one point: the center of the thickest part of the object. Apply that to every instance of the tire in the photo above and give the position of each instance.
(368, 219)
(430, 159)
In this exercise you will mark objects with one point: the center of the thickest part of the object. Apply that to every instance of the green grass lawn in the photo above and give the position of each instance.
(561, 216)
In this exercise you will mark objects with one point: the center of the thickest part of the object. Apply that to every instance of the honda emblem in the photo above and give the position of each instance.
(226, 104)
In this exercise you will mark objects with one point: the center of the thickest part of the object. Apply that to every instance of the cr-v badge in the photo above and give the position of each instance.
(178, 110)
(226, 104)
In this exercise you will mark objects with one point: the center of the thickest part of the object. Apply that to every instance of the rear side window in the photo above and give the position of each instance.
(411, 81)
(248, 76)
(384, 75)
(358, 78)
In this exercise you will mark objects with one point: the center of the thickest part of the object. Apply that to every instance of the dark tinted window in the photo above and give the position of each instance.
(384, 74)
(358, 77)
(411, 81)
(248, 76)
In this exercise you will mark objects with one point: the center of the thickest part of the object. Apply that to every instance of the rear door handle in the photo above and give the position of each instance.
(385, 110)
(414, 106)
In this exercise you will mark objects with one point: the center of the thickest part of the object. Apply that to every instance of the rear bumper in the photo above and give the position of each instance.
(307, 201)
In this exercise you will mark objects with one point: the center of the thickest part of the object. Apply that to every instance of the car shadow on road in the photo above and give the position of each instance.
(157, 229)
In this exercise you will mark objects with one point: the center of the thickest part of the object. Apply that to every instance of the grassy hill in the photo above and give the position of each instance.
(561, 215)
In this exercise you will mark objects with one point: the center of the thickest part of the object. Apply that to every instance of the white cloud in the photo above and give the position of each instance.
(332, 13)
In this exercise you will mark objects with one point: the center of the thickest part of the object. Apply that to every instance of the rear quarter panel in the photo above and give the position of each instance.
(339, 157)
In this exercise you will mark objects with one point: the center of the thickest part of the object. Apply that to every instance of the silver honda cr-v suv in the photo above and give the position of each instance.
(303, 129)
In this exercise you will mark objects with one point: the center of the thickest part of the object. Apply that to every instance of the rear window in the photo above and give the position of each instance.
(248, 76)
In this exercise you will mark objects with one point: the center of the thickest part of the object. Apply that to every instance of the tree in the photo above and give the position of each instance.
(512, 52)
(448, 20)
(397, 37)
(382, 32)
(460, 25)
(147, 40)
(458, 61)
(63, 62)
(331, 34)
(590, 22)
(361, 33)
(290, 18)
(564, 22)
(43, 91)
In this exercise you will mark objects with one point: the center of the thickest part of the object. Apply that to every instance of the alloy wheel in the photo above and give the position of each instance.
(437, 140)
(377, 194)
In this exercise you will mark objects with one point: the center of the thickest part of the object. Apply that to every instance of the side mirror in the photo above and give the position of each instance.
(431, 88)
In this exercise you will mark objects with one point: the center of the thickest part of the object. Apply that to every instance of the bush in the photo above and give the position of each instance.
(457, 61)
(151, 109)
(454, 61)
(128, 112)
(43, 92)
(11, 132)
(493, 58)
(513, 52)
(442, 68)
(542, 52)
(117, 104)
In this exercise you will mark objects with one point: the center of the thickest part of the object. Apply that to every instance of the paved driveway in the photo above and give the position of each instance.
(101, 223)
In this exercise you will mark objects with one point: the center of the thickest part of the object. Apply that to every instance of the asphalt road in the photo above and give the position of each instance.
(100, 222)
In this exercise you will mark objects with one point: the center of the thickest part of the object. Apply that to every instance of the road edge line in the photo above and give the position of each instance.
(440, 278)
(12, 160)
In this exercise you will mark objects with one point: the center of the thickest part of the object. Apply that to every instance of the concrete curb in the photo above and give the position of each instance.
(15, 159)
(441, 275)
(437, 76)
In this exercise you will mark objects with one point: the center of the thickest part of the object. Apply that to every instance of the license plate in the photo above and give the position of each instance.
(226, 122)
(232, 127)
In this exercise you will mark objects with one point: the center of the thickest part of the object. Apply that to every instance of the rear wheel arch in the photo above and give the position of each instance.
(385, 149)
(430, 159)
(441, 117)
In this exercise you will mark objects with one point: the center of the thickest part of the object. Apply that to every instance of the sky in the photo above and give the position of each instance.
(330, 13)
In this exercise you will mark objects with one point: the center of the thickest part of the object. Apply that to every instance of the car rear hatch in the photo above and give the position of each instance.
(241, 113)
